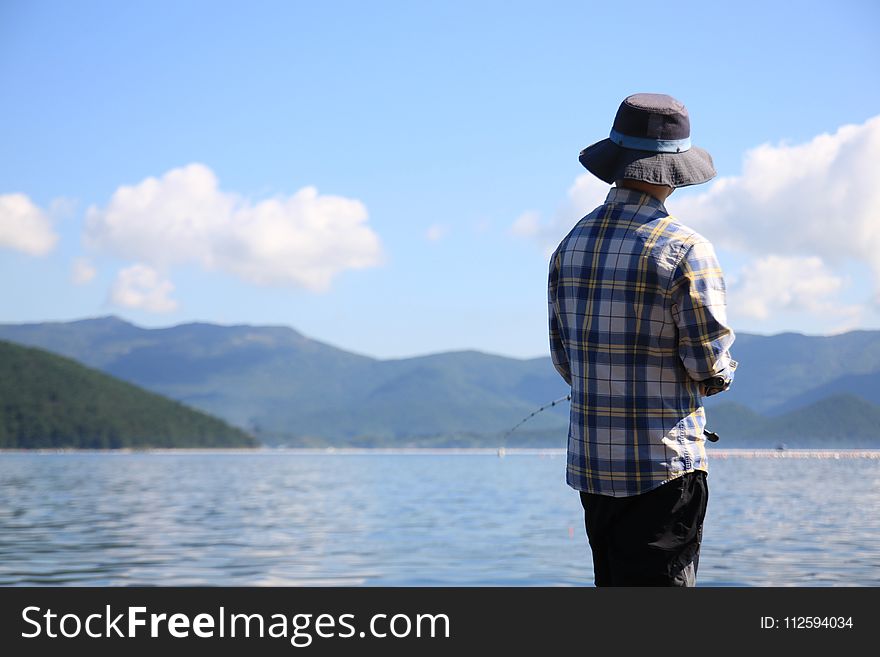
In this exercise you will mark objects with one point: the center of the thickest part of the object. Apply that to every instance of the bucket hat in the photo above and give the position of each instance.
(650, 141)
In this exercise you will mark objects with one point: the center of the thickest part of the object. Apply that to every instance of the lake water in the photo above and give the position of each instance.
(406, 519)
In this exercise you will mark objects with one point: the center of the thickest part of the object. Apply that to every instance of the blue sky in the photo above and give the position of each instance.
(389, 176)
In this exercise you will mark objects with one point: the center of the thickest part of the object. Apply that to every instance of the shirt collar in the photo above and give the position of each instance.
(624, 196)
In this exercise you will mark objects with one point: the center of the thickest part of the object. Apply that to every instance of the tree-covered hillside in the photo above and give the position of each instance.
(50, 401)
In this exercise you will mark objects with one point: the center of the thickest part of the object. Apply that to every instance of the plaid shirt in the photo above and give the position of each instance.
(637, 321)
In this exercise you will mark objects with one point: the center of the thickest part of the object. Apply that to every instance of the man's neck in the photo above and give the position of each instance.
(660, 192)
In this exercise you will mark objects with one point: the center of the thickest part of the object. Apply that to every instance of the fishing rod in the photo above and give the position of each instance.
(710, 435)
(534, 413)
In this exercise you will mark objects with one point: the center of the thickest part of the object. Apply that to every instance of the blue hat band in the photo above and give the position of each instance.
(651, 145)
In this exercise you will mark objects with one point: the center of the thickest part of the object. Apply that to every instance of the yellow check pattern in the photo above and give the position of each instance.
(637, 320)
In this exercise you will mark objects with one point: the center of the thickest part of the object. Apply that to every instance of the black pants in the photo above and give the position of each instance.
(651, 539)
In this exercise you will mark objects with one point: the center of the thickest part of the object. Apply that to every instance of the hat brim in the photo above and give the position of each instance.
(609, 162)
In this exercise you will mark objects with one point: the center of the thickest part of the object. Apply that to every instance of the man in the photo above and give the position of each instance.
(638, 330)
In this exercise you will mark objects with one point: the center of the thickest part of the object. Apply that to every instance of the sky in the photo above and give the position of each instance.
(391, 177)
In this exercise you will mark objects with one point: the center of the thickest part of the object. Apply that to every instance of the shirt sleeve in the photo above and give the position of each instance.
(557, 347)
(699, 308)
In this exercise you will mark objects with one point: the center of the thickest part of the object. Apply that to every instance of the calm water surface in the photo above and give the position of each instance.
(406, 519)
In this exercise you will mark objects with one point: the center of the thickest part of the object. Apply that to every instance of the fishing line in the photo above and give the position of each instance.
(534, 413)
(710, 435)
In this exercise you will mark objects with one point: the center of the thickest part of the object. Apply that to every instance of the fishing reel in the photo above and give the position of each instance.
(712, 386)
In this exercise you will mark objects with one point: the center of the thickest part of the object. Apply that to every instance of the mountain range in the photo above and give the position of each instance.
(286, 388)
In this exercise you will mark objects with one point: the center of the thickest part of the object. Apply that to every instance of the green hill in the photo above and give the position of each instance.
(786, 371)
(838, 421)
(286, 388)
(48, 401)
(289, 389)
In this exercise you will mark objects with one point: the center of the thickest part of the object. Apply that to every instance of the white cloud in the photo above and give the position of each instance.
(143, 288)
(482, 226)
(583, 197)
(302, 240)
(774, 284)
(24, 226)
(528, 224)
(82, 271)
(436, 232)
(821, 198)
(799, 215)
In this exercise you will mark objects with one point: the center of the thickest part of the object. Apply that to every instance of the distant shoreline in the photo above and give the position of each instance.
(443, 451)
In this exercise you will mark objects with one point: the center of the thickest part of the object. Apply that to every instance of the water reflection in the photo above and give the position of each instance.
(280, 518)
